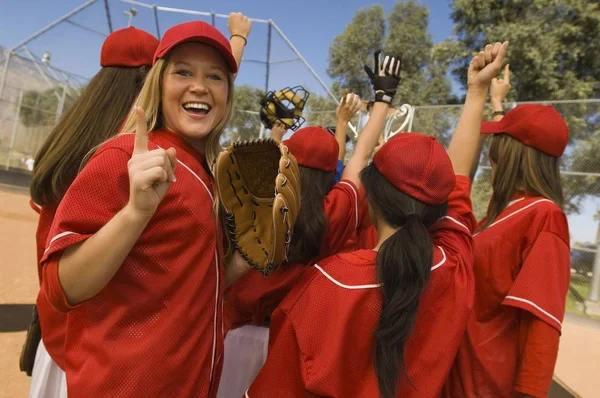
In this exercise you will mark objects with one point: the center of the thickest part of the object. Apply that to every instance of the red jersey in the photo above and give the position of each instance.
(156, 328)
(53, 322)
(521, 264)
(321, 340)
(256, 296)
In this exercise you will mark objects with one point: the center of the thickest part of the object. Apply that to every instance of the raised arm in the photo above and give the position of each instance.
(464, 147)
(498, 91)
(346, 110)
(239, 29)
(385, 82)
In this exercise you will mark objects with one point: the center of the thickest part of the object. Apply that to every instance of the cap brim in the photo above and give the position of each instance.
(491, 127)
(225, 53)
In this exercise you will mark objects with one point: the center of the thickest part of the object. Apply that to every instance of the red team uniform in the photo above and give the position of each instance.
(522, 275)
(321, 340)
(128, 48)
(156, 328)
(521, 268)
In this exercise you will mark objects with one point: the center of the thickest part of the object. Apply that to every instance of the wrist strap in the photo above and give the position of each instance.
(382, 96)
(498, 113)
(234, 35)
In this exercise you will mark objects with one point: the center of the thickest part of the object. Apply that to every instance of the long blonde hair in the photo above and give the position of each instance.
(149, 100)
(521, 168)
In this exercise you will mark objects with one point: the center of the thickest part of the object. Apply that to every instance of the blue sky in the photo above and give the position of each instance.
(311, 25)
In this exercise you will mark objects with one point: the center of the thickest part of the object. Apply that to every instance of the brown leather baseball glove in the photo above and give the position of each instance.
(259, 187)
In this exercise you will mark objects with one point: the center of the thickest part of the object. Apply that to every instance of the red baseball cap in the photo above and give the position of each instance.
(196, 31)
(314, 147)
(417, 165)
(538, 126)
(130, 47)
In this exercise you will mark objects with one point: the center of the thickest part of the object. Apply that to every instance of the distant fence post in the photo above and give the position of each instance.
(61, 103)
(15, 127)
(8, 54)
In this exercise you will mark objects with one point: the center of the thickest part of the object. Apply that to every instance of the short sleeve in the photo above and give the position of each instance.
(51, 287)
(99, 192)
(542, 283)
(341, 208)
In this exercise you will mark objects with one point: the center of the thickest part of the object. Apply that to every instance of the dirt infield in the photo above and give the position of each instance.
(577, 366)
(18, 285)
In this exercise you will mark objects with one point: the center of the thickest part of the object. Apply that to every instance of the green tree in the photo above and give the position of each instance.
(354, 47)
(39, 108)
(554, 46)
(554, 55)
(424, 80)
(320, 111)
(245, 122)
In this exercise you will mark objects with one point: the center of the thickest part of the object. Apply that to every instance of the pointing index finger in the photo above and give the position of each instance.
(507, 73)
(141, 132)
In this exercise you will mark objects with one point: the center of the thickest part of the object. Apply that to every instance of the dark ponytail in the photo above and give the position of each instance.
(311, 223)
(403, 265)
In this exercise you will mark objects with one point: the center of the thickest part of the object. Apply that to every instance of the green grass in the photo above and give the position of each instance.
(578, 293)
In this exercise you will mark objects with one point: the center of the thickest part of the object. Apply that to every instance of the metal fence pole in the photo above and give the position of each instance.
(8, 54)
(61, 103)
(15, 126)
(108, 19)
(156, 21)
(268, 63)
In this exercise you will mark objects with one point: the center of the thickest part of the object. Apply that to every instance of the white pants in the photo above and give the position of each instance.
(245, 354)
(47, 379)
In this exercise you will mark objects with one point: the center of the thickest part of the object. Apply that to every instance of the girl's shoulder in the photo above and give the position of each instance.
(121, 141)
(529, 216)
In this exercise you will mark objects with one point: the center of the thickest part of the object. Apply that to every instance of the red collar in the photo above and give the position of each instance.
(180, 142)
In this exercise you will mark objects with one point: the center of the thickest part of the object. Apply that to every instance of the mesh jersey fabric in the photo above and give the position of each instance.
(321, 340)
(156, 328)
(522, 263)
(257, 296)
(53, 322)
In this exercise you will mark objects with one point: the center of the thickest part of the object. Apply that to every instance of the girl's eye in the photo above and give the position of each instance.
(214, 76)
(184, 72)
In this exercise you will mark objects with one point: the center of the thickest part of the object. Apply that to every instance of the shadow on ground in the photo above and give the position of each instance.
(15, 317)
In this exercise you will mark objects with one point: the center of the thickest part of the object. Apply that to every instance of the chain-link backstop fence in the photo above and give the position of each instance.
(34, 96)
